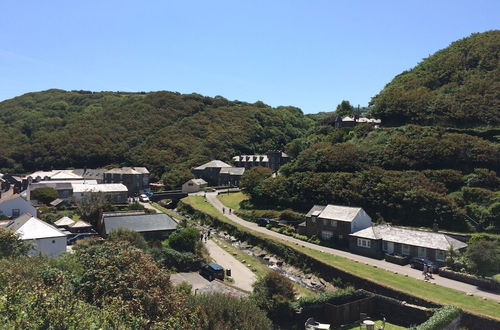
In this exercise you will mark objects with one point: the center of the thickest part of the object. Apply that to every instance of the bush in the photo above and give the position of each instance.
(132, 237)
(176, 260)
(441, 318)
(290, 215)
(218, 311)
(336, 297)
(274, 293)
(185, 240)
(44, 195)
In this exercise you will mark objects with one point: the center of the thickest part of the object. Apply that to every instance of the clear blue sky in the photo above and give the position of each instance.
(311, 54)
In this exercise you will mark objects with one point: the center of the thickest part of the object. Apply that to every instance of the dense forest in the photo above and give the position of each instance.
(167, 132)
(457, 86)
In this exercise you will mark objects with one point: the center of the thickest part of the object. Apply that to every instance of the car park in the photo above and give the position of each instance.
(212, 271)
(418, 263)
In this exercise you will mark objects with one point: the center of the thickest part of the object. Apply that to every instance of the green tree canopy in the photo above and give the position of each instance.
(44, 195)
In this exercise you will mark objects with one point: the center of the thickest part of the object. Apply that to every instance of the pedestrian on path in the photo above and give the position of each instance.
(424, 272)
(430, 272)
(223, 210)
(229, 211)
(208, 235)
(201, 236)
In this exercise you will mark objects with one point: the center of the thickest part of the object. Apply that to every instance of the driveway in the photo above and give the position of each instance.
(404, 270)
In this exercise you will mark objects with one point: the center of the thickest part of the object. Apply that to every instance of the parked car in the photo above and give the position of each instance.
(262, 222)
(77, 237)
(144, 198)
(212, 271)
(418, 263)
(148, 193)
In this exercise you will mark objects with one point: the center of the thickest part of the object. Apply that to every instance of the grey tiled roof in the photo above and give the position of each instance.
(232, 170)
(334, 212)
(139, 222)
(427, 239)
(213, 163)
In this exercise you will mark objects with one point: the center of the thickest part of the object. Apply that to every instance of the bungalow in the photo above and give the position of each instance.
(335, 221)
(378, 240)
(154, 226)
(14, 205)
(42, 237)
(116, 192)
(194, 185)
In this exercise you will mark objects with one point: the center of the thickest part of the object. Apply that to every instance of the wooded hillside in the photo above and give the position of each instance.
(167, 132)
(457, 86)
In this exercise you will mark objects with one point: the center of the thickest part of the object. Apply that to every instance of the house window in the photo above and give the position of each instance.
(384, 246)
(53, 241)
(422, 252)
(334, 223)
(405, 249)
(16, 213)
(326, 235)
(364, 242)
(326, 222)
(313, 219)
(341, 236)
(440, 255)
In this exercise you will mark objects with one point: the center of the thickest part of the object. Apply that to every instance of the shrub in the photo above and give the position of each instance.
(274, 293)
(44, 195)
(290, 215)
(185, 240)
(132, 237)
(218, 311)
(441, 318)
(176, 260)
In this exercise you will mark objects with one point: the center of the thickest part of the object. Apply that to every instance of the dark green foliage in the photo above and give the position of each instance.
(441, 318)
(218, 311)
(176, 260)
(185, 240)
(344, 109)
(129, 236)
(485, 256)
(252, 177)
(11, 245)
(290, 215)
(44, 195)
(167, 132)
(457, 86)
(274, 293)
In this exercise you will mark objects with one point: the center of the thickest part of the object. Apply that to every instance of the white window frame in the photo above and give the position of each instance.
(440, 255)
(364, 243)
(329, 235)
(405, 249)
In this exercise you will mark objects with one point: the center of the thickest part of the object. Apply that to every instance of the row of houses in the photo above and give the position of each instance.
(353, 227)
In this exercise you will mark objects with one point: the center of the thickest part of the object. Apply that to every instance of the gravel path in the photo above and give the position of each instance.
(405, 270)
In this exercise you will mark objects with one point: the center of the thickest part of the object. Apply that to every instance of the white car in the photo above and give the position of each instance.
(144, 198)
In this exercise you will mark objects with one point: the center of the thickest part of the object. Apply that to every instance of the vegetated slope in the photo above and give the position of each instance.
(457, 86)
(165, 131)
(409, 175)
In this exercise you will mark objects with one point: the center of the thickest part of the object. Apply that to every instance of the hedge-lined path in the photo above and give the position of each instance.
(404, 270)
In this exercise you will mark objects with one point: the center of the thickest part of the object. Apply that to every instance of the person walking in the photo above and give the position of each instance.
(430, 272)
(223, 210)
(424, 272)
(229, 211)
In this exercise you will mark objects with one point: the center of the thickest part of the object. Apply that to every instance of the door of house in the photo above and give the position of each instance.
(390, 247)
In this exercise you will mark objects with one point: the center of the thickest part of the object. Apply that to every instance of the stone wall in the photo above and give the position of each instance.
(484, 283)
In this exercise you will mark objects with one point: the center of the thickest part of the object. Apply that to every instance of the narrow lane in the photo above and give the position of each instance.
(404, 270)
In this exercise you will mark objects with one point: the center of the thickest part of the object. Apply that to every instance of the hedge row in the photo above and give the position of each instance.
(441, 318)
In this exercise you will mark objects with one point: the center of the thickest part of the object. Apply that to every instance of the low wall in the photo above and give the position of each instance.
(348, 313)
(397, 259)
(398, 312)
(484, 283)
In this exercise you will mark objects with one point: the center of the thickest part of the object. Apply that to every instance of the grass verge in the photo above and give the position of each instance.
(167, 211)
(418, 288)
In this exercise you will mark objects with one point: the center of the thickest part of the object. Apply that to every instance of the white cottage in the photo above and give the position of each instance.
(42, 237)
(14, 205)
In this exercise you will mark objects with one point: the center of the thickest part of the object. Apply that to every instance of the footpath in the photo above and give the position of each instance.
(404, 270)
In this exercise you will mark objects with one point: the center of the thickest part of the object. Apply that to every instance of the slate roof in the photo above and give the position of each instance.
(213, 163)
(139, 222)
(81, 224)
(96, 174)
(29, 227)
(56, 175)
(232, 170)
(334, 212)
(128, 170)
(104, 187)
(64, 221)
(422, 238)
(198, 181)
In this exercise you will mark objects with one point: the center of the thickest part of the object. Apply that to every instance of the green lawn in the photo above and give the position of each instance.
(232, 200)
(167, 211)
(256, 266)
(418, 288)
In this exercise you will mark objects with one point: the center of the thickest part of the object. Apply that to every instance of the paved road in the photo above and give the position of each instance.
(243, 277)
(149, 206)
(405, 270)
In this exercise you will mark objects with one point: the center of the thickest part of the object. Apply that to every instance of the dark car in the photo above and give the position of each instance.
(212, 271)
(262, 222)
(418, 263)
(77, 237)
